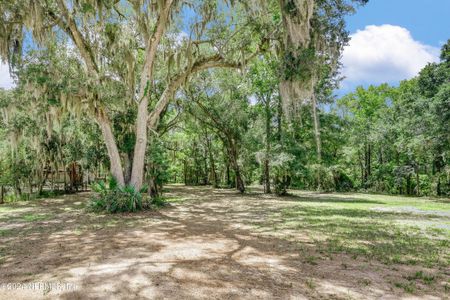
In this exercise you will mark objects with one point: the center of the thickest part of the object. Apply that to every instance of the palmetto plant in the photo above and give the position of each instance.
(114, 198)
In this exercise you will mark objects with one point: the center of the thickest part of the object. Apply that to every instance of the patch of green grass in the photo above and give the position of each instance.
(175, 199)
(111, 223)
(435, 232)
(78, 231)
(49, 194)
(11, 198)
(310, 283)
(159, 202)
(408, 287)
(312, 260)
(359, 200)
(5, 232)
(35, 217)
(420, 275)
(4, 208)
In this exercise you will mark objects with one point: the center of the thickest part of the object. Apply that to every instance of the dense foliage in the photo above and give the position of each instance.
(207, 92)
(380, 138)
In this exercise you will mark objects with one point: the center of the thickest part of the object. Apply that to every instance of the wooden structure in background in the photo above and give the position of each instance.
(75, 173)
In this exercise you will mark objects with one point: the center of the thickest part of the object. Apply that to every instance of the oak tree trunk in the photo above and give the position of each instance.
(137, 173)
(111, 146)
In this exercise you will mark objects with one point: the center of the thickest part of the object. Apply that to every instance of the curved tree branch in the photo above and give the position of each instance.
(214, 61)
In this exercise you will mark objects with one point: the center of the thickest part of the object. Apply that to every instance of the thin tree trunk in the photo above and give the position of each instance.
(362, 168)
(367, 167)
(111, 146)
(211, 162)
(438, 186)
(153, 189)
(31, 186)
(42, 183)
(408, 185)
(237, 171)
(228, 174)
(317, 137)
(2, 193)
(369, 160)
(18, 189)
(279, 119)
(267, 177)
(266, 158)
(65, 178)
(52, 180)
(205, 162)
(213, 171)
(317, 130)
(196, 163)
(239, 182)
(185, 172)
(417, 180)
(437, 172)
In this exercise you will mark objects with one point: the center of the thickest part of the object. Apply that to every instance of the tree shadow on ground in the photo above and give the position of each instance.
(327, 198)
(206, 247)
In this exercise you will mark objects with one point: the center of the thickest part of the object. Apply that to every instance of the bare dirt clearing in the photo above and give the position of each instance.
(216, 244)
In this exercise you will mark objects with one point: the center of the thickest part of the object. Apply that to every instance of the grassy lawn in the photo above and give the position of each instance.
(368, 245)
(390, 229)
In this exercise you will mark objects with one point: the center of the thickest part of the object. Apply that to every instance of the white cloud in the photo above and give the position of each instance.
(6, 81)
(384, 53)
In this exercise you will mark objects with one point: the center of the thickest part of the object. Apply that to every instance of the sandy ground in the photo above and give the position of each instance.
(207, 248)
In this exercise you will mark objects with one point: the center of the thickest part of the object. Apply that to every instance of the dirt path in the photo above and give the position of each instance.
(208, 248)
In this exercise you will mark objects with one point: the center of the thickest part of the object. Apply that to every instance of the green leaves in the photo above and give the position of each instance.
(117, 199)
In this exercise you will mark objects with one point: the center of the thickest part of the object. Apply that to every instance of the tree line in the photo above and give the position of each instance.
(228, 93)
(387, 139)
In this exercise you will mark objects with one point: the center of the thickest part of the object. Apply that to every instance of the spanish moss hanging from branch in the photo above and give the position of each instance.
(297, 54)
(313, 40)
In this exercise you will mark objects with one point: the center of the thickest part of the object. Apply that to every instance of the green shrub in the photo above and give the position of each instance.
(425, 184)
(322, 177)
(281, 172)
(13, 197)
(158, 202)
(116, 199)
(49, 194)
(342, 182)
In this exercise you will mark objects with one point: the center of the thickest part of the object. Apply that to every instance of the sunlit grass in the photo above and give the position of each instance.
(5, 232)
(36, 217)
(389, 229)
(175, 199)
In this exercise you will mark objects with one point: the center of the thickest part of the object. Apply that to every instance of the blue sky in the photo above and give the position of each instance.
(427, 20)
(391, 41)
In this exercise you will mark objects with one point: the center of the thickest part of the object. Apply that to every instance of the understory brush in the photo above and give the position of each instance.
(44, 194)
(116, 199)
